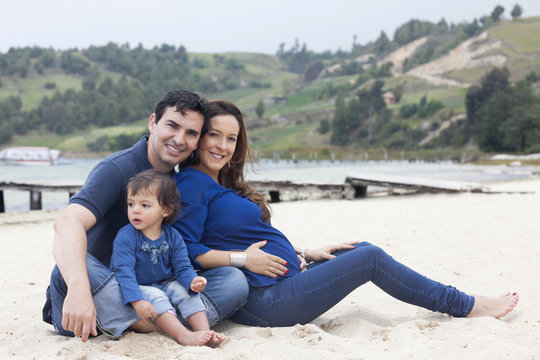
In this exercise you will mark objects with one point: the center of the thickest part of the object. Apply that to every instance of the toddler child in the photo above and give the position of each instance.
(151, 263)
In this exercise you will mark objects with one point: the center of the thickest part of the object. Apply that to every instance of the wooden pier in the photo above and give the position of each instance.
(360, 183)
(35, 191)
(355, 186)
(275, 190)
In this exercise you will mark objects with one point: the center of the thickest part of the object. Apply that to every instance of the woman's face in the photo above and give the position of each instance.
(217, 147)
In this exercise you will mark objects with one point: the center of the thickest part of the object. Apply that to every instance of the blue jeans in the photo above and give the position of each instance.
(226, 292)
(170, 296)
(305, 296)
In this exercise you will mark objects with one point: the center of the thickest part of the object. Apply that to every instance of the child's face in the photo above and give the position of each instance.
(144, 211)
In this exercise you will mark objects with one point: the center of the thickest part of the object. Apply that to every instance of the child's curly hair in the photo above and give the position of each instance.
(162, 186)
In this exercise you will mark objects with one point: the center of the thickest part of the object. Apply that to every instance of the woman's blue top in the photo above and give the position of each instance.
(215, 218)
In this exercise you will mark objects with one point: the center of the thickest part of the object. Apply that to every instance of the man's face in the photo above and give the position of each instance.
(173, 138)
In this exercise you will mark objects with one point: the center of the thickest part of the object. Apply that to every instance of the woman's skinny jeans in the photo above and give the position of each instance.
(305, 296)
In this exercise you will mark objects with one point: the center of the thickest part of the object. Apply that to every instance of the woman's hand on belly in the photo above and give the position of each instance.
(260, 262)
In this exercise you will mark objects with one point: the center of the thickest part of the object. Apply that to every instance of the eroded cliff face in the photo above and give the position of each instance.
(474, 52)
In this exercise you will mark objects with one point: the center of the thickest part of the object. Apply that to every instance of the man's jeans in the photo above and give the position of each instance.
(226, 292)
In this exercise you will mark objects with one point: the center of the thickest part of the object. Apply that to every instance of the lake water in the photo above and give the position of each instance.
(324, 172)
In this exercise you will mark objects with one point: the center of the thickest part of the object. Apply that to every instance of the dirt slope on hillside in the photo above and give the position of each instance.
(470, 53)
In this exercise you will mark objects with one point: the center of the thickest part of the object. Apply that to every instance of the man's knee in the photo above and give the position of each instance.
(237, 284)
(57, 280)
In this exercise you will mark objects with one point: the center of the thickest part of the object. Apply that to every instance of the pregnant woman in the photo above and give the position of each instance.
(224, 222)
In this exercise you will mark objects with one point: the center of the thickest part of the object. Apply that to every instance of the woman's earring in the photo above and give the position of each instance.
(229, 164)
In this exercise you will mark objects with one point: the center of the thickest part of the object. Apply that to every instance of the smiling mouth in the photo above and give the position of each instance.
(173, 149)
(217, 156)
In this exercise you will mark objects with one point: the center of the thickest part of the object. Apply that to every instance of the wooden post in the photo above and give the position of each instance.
(35, 200)
(360, 191)
(2, 207)
(274, 196)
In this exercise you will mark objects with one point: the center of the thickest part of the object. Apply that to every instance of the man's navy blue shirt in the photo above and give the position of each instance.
(104, 194)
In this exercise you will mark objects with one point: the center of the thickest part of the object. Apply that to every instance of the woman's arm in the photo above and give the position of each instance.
(257, 261)
(195, 201)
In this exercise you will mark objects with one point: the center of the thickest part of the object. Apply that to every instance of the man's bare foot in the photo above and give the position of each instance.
(494, 307)
(195, 338)
(216, 340)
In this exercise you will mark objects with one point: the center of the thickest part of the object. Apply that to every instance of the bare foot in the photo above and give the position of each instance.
(216, 340)
(493, 306)
(195, 338)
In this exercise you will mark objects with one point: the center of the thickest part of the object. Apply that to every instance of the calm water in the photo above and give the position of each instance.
(302, 171)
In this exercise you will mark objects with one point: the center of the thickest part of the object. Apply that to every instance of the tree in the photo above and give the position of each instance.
(6, 133)
(442, 26)
(73, 62)
(324, 126)
(296, 58)
(339, 135)
(398, 92)
(382, 44)
(413, 30)
(517, 11)
(497, 12)
(259, 109)
(519, 121)
(313, 70)
(473, 102)
(503, 117)
(472, 29)
(531, 77)
(56, 118)
(491, 115)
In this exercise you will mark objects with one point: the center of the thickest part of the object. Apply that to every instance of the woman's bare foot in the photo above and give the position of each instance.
(216, 340)
(494, 307)
(195, 338)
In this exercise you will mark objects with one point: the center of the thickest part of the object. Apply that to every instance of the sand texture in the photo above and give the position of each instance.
(481, 243)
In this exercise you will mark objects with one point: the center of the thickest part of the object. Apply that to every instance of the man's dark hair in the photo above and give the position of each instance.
(162, 186)
(183, 100)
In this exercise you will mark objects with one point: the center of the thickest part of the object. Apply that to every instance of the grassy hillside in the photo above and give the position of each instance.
(294, 108)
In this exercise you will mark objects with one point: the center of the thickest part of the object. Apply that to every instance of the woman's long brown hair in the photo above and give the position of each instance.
(231, 176)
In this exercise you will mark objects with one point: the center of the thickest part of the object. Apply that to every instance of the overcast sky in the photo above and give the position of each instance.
(220, 26)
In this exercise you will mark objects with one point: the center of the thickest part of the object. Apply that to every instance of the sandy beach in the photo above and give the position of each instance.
(485, 244)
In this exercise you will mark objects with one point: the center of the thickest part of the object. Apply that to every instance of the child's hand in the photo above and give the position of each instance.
(198, 284)
(144, 309)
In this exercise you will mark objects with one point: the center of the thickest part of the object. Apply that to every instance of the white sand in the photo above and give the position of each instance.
(480, 243)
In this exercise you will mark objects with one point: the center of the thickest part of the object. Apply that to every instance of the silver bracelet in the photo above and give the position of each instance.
(303, 254)
(238, 259)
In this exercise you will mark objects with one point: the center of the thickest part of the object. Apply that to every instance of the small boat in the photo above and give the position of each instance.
(30, 155)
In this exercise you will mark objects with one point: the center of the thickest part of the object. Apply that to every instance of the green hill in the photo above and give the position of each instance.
(99, 98)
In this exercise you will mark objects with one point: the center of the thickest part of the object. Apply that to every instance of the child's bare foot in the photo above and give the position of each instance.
(216, 340)
(495, 307)
(195, 338)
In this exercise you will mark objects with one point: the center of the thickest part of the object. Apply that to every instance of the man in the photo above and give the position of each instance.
(84, 296)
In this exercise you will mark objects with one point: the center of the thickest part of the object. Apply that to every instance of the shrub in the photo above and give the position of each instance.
(50, 85)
